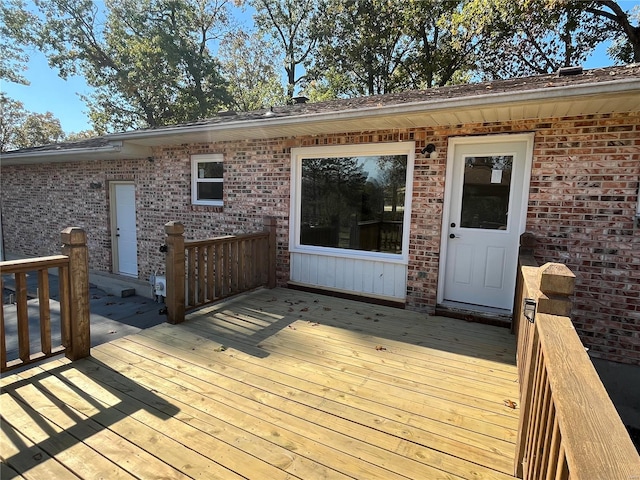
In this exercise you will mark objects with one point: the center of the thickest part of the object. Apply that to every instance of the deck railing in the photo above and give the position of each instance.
(73, 280)
(200, 272)
(568, 426)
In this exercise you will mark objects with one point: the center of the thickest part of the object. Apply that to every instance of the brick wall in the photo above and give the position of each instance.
(581, 207)
(583, 197)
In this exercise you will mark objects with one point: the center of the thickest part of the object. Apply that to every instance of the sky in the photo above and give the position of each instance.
(48, 92)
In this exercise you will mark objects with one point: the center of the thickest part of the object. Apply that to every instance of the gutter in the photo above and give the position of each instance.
(424, 106)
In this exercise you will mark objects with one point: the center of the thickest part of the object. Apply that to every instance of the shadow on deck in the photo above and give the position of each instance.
(274, 384)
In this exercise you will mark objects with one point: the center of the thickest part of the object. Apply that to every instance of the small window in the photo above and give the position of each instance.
(206, 179)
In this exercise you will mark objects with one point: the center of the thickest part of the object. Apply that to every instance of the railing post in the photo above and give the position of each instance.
(175, 272)
(271, 226)
(556, 284)
(74, 245)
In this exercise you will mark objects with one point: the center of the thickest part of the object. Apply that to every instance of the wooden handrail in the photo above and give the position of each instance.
(200, 272)
(568, 425)
(25, 265)
(74, 303)
(595, 442)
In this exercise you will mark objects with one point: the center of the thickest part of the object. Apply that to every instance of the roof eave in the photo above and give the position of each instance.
(430, 106)
(114, 150)
(137, 144)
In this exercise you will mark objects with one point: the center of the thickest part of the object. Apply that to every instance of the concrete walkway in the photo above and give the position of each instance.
(111, 316)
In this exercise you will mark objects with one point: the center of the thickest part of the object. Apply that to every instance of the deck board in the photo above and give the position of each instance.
(273, 384)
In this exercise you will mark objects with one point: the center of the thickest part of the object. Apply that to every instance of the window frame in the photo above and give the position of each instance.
(369, 149)
(205, 158)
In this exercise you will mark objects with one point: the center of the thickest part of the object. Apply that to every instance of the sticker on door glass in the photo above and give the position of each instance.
(486, 191)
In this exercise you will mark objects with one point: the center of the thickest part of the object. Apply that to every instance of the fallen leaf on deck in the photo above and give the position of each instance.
(305, 309)
(112, 331)
(290, 309)
(380, 348)
(292, 327)
(510, 403)
(367, 318)
(221, 348)
(326, 309)
(315, 324)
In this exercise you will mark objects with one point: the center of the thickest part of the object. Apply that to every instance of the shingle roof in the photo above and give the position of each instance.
(514, 85)
(89, 143)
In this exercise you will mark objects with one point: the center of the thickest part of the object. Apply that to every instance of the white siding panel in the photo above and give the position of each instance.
(378, 278)
(341, 272)
(367, 276)
(295, 267)
(352, 281)
(360, 276)
(391, 286)
(312, 270)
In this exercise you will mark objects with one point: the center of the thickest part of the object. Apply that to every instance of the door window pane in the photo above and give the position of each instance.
(485, 193)
(354, 202)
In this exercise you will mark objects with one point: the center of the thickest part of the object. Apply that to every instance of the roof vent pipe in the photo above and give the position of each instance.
(567, 71)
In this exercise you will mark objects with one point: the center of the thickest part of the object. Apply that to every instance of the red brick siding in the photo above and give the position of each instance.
(583, 197)
(582, 202)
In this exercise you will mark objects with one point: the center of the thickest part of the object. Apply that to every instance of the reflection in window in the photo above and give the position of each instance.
(485, 194)
(354, 202)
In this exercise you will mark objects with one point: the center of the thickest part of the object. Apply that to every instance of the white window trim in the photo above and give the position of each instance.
(369, 149)
(195, 159)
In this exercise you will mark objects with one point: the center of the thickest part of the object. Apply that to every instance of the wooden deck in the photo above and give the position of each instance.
(273, 384)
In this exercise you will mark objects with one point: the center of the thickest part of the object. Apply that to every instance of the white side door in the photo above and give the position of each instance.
(125, 241)
(485, 213)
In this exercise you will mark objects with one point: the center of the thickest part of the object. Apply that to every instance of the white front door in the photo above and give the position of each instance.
(125, 241)
(485, 214)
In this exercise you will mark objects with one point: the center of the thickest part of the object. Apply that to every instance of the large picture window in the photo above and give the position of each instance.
(356, 201)
(207, 179)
